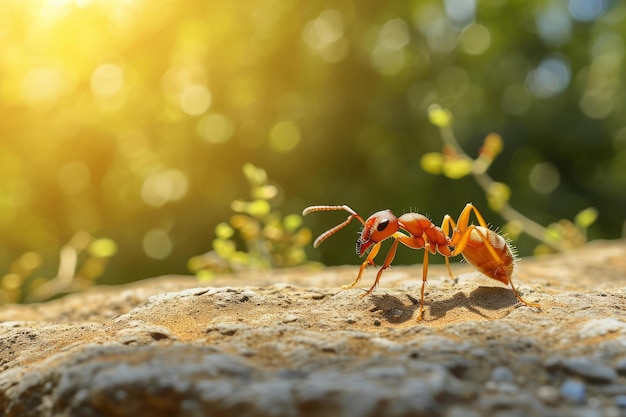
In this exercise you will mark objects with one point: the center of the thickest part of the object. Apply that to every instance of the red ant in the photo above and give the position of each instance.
(482, 247)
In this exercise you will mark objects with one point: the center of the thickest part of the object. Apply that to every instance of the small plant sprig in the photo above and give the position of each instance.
(454, 163)
(81, 260)
(270, 240)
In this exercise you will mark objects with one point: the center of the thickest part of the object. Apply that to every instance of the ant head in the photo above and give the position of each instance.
(378, 227)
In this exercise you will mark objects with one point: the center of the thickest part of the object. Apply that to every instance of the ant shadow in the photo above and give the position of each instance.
(393, 309)
(482, 299)
(479, 300)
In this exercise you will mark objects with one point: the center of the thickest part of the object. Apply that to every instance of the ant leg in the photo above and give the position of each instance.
(447, 223)
(465, 215)
(449, 268)
(462, 224)
(368, 261)
(445, 226)
(388, 260)
(420, 314)
(519, 297)
(465, 237)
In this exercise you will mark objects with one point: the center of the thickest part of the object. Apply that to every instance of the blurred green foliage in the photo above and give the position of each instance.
(131, 119)
(269, 239)
(81, 261)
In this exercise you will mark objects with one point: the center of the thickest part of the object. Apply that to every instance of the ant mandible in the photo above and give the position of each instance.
(482, 247)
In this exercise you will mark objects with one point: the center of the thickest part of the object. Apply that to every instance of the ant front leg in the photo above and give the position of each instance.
(388, 260)
(368, 261)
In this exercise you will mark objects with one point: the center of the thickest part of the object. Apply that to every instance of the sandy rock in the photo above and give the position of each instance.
(291, 343)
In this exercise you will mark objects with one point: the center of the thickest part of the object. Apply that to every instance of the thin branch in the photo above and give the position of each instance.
(485, 182)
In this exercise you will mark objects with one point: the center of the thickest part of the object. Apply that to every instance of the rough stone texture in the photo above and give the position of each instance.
(290, 343)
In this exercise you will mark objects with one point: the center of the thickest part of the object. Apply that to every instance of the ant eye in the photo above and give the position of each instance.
(382, 225)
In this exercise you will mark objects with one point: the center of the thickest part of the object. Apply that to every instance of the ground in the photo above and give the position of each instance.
(291, 343)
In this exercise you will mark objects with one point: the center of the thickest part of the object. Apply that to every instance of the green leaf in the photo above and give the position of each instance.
(586, 217)
(439, 116)
(554, 233)
(205, 275)
(102, 248)
(458, 167)
(224, 231)
(224, 248)
(265, 192)
(255, 175)
(291, 222)
(259, 208)
(432, 162)
(239, 206)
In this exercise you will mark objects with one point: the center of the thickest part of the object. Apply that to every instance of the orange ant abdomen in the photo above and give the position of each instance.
(500, 268)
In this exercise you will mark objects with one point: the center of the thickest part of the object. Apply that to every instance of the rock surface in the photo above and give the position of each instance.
(290, 343)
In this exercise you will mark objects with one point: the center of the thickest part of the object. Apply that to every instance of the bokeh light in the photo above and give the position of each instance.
(195, 99)
(107, 80)
(586, 10)
(475, 39)
(157, 244)
(164, 187)
(554, 24)
(325, 35)
(552, 76)
(215, 128)
(284, 136)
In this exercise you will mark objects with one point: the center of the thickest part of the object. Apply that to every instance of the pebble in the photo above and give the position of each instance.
(574, 391)
(387, 344)
(601, 327)
(387, 372)
(461, 411)
(502, 374)
(227, 329)
(589, 369)
(290, 318)
(441, 344)
(552, 362)
(549, 395)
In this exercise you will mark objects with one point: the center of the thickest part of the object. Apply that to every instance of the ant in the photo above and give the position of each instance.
(482, 247)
